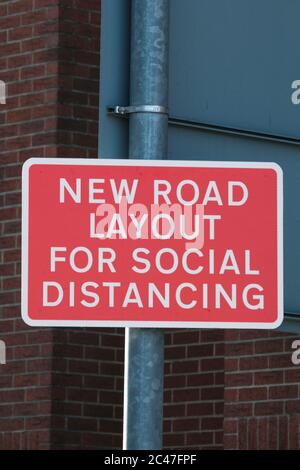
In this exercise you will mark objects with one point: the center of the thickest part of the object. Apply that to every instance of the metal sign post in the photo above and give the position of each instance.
(148, 139)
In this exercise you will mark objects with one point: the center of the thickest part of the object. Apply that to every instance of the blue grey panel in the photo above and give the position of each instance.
(232, 63)
(114, 76)
(198, 145)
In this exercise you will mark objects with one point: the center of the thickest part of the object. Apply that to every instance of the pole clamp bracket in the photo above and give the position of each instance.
(147, 108)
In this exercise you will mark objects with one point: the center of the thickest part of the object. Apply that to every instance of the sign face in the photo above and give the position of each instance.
(152, 244)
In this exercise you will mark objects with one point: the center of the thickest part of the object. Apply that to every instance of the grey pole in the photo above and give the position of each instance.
(148, 139)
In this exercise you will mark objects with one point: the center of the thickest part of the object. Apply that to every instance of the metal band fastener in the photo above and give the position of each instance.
(147, 108)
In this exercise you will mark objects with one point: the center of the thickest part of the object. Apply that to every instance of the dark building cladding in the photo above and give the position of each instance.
(63, 388)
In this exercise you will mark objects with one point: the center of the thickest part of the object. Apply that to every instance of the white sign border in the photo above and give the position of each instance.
(161, 163)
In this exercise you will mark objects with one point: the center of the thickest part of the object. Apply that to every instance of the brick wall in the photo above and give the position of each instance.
(87, 364)
(262, 396)
(194, 389)
(87, 385)
(62, 388)
(28, 65)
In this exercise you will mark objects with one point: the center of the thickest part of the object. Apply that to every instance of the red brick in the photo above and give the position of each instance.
(104, 354)
(86, 113)
(253, 394)
(67, 380)
(219, 378)
(186, 395)
(101, 382)
(19, 6)
(201, 350)
(6, 269)
(35, 17)
(180, 425)
(254, 362)
(283, 391)
(109, 426)
(44, 3)
(44, 83)
(19, 61)
(11, 255)
(13, 396)
(283, 433)
(293, 406)
(200, 409)
(212, 364)
(209, 336)
(31, 127)
(12, 227)
(238, 379)
(18, 34)
(99, 411)
(199, 438)
(273, 433)
(189, 366)
(36, 364)
(212, 393)
(269, 346)
(111, 397)
(231, 394)
(82, 424)
(12, 424)
(3, 10)
(238, 409)
(230, 442)
(268, 408)
(268, 377)
(44, 139)
(195, 380)
(230, 426)
(44, 111)
(83, 337)
(240, 349)
(31, 72)
(95, 18)
(112, 341)
(47, 55)
(174, 411)
(212, 423)
(262, 425)
(174, 440)
(175, 381)
(6, 411)
(26, 380)
(283, 361)
(18, 88)
(8, 22)
(111, 368)
(88, 4)
(294, 432)
(6, 242)
(175, 352)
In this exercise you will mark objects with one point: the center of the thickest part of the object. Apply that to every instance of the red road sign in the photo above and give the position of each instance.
(152, 243)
